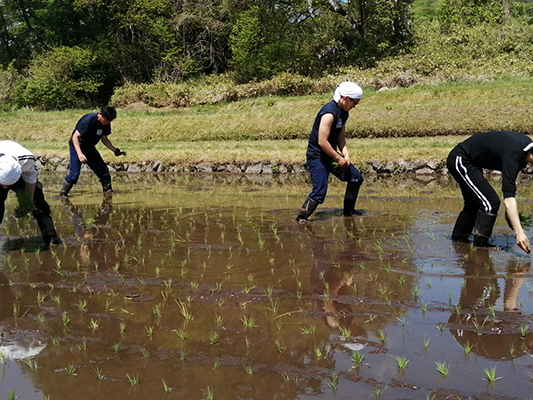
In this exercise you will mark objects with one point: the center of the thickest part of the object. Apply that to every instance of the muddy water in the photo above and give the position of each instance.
(198, 287)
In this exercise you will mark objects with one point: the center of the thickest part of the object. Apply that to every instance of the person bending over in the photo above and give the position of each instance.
(505, 151)
(19, 173)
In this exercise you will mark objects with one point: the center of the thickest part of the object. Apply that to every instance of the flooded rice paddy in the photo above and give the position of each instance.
(204, 287)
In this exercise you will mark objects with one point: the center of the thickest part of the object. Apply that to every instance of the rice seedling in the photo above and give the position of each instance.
(11, 395)
(82, 304)
(55, 341)
(357, 360)
(70, 370)
(334, 382)
(309, 330)
(40, 318)
(490, 374)
(3, 359)
(280, 346)
(443, 367)
(149, 331)
(145, 353)
(248, 322)
(402, 320)
(216, 364)
(93, 325)
(382, 336)
(248, 369)
(133, 379)
(184, 310)
(370, 319)
(468, 347)
(213, 337)
(523, 331)
(512, 351)
(378, 392)
(426, 342)
(401, 362)
(65, 318)
(247, 342)
(157, 310)
(116, 347)
(32, 365)
(345, 332)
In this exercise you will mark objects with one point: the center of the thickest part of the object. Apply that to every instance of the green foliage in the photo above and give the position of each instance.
(60, 78)
(476, 12)
(10, 82)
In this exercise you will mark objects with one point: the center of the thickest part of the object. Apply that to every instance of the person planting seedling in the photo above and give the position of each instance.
(327, 152)
(19, 173)
(505, 151)
(90, 129)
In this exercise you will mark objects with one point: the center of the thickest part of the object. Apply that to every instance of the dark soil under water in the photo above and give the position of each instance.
(204, 287)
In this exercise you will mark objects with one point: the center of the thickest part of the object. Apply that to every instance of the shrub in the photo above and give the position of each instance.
(61, 78)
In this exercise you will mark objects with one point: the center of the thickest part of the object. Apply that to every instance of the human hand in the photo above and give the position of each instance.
(523, 242)
(118, 152)
(343, 162)
(82, 158)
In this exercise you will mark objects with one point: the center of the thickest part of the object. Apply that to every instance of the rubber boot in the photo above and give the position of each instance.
(463, 227)
(350, 197)
(307, 208)
(106, 187)
(483, 228)
(46, 225)
(65, 189)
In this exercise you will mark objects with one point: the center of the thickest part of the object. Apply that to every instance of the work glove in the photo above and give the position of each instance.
(118, 152)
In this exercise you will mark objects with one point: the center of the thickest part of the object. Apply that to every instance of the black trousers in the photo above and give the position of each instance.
(41, 209)
(477, 192)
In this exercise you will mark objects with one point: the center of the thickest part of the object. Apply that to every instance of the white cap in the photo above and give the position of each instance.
(10, 170)
(350, 89)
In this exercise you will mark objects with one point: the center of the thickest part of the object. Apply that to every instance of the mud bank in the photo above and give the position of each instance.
(423, 167)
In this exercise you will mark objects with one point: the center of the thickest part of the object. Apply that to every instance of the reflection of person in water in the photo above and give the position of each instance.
(333, 280)
(474, 325)
(86, 231)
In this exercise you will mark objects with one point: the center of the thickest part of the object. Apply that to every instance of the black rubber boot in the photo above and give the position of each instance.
(463, 227)
(106, 187)
(483, 228)
(350, 198)
(46, 225)
(65, 189)
(307, 208)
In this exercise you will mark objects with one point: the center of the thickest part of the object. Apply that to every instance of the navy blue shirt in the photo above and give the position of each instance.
(500, 151)
(91, 130)
(340, 117)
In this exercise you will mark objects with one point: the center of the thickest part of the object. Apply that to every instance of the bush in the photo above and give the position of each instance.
(10, 86)
(61, 78)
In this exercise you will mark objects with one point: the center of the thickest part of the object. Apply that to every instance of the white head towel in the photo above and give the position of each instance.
(10, 170)
(350, 89)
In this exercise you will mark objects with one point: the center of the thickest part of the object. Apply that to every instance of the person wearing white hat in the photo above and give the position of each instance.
(505, 151)
(19, 173)
(327, 152)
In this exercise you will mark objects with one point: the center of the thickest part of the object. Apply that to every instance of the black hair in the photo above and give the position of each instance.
(108, 113)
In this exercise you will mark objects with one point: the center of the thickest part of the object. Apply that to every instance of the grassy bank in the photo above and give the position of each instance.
(423, 120)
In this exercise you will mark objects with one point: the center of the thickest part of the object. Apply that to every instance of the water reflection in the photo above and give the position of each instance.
(477, 324)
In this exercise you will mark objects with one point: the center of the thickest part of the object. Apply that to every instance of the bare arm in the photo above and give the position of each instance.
(513, 219)
(107, 143)
(324, 130)
(76, 143)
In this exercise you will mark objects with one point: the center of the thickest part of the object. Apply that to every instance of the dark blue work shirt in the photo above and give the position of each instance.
(340, 116)
(91, 130)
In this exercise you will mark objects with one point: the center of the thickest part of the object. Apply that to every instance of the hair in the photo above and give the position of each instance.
(108, 113)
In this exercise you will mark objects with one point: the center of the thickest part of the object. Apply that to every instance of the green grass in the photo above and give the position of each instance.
(425, 122)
